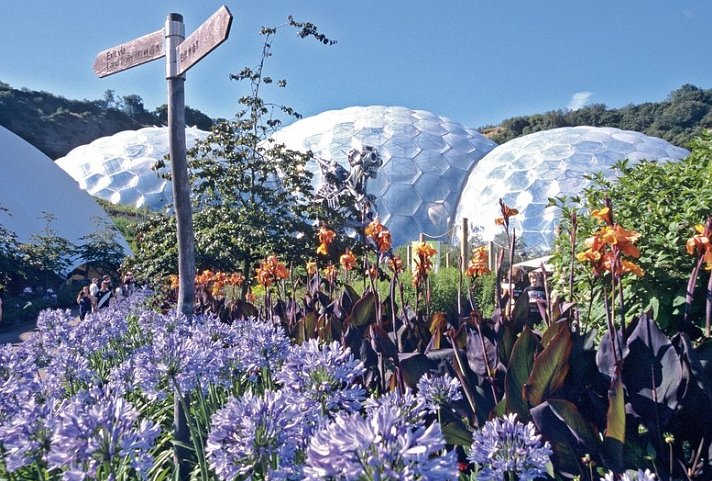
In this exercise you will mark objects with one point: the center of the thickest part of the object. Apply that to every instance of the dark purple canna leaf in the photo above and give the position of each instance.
(520, 366)
(652, 374)
(364, 311)
(550, 368)
(413, 366)
(481, 355)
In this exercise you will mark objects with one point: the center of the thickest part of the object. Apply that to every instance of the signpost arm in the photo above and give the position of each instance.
(175, 33)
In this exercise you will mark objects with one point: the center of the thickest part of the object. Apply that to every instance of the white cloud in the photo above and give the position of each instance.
(578, 100)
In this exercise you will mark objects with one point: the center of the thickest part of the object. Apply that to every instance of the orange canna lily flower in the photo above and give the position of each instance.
(507, 212)
(330, 273)
(271, 270)
(478, 264)
(379, 234)
(311, 268)
(348, 260)
(603, 214)
(395, 264)
(699, 243)
(628, 266)
(373, 272)
(326, 237)
(250, 296)
(605, 247)
(423, 264)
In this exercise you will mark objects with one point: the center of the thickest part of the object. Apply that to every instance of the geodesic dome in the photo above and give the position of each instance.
(118, 168)
(526, 171)
(31, 185)
(426, 159)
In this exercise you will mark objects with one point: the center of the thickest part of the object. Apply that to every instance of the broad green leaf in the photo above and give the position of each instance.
(454, 430)
(550, 368)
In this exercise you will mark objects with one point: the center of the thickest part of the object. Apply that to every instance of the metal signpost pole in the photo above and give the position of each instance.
(181, 54)
(175, 34)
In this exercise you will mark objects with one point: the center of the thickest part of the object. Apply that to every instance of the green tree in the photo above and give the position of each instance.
(101, 249)
(193, 117)
(10, 260)
(48, 254)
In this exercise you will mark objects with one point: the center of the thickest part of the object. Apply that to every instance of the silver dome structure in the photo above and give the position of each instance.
(118, 168)
(31, 185)
(426, 159)
(527, 171)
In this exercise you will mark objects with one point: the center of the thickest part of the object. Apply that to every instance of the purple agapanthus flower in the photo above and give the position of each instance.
(19, 379)
(638, 475)
(437, 391)
(323, 376)
(256, 436)
(263, 347)
(67, 372)
(504, 445)
(412, 408)
(379, 446)
(98, 428)
(25, 437)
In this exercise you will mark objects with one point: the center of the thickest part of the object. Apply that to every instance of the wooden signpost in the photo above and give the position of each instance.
(180, 56)
(130, 54)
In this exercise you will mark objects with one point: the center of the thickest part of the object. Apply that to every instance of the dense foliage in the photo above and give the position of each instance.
(686, 112)
(662, 202)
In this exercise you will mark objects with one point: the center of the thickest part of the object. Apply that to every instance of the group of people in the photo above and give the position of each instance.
(97, 295)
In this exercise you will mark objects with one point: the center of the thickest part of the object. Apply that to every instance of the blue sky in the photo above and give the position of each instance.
(477, 62)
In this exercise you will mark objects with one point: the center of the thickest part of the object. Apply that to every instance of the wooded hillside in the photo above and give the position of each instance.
(677, 119)
(56, 125)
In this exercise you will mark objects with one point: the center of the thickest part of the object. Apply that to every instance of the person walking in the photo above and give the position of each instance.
(104, 295)
(84, 299)
(93, 291)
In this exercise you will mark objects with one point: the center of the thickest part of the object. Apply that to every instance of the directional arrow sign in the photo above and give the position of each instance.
(130, 54)
(204, 39)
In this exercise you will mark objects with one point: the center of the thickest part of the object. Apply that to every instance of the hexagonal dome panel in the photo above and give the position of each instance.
(556, 161)
(118, 168)
(412, 143)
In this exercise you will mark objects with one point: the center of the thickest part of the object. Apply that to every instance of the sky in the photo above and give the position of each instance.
(474, 61)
